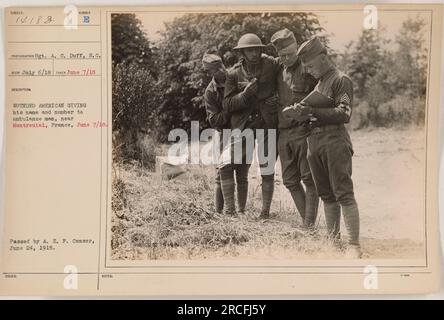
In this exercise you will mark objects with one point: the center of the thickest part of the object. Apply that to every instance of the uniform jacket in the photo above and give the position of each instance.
(252, 112)
(293, 85)
(338, 86)
(213, 99)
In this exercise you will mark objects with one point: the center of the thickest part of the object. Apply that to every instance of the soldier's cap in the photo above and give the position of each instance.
(284, 39)
(211, 61)
(311, 49)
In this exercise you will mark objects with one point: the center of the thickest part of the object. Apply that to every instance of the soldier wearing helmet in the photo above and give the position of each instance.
(250, 99)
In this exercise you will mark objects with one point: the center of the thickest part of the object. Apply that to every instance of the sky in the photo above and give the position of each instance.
(342, 26)
(347, 26)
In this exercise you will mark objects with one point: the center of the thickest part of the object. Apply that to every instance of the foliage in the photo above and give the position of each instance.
(389, 76)
(176, 99)
(135, 96)
(129, 43)
(159, 86)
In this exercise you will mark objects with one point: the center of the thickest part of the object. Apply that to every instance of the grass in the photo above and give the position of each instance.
(160, 219)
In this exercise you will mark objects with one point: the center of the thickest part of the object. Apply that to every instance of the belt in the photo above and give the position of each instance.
(326, 128)
(253, 120)
(253, 117)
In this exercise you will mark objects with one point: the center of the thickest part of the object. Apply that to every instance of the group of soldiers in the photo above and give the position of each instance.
(314, 147)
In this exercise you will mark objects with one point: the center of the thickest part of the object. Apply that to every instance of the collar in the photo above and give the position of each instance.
(328, 72)
(295, 65)
(217, 85)
(252, 70)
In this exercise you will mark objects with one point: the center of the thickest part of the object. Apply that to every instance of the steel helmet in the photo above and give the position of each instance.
(249, 40)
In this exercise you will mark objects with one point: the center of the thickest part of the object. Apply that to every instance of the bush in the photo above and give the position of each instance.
(159, 86)
(403, 110)
(134, 114)
(188, 37)
(360, 115)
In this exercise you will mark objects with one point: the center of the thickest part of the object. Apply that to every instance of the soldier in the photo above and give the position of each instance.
(329, 146)
(294, 83)
(250, 98)
(217, 117)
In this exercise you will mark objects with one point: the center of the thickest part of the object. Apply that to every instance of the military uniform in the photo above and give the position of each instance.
(213, 98)
(329, 146)
(254, 112)
(293, 84)
(217, 118)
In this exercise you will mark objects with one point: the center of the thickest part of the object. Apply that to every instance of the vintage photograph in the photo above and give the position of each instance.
(271, 135)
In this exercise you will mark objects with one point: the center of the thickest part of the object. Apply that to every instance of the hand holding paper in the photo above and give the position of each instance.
(251, 88)
(298, 111)
(318, 100)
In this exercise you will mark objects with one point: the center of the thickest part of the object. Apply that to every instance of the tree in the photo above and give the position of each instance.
(157, 88)
(129, 43)
(367, 58)
(389, 77)
(411, 57)
(134, 113)
(134, 84)
(187, 38)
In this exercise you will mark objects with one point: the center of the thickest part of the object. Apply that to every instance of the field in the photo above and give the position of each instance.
(174, 219)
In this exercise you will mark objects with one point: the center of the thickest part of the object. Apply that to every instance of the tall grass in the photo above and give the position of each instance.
(175, 219)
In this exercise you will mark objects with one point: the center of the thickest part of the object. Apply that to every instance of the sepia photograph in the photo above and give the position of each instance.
(222, 151)
(272, 135)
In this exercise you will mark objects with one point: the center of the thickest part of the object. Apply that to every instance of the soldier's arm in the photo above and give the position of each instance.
(277, 64)
(343, 96)
(279, 67)
(312, 82)
(217, 117)
(233, 99)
